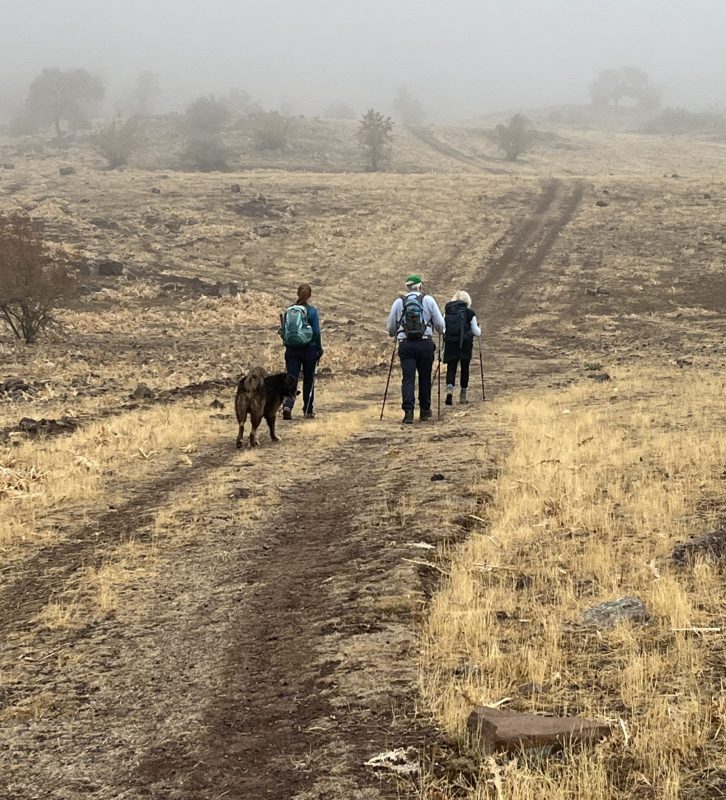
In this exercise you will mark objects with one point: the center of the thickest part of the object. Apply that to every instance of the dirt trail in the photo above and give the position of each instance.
(270, 658)
(428, 138)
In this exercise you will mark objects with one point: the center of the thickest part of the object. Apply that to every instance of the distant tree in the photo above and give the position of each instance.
(612, 85)
(205, 149)
(117, 140)
(339, 110)
(408, 108)
(375, 137)
(271, 130)
(32, 284)
(146, 92)
(516, 137)
(57, 95)
(205, 115)
(241, 102)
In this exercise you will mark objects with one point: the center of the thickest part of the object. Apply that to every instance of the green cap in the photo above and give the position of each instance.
(413, 279)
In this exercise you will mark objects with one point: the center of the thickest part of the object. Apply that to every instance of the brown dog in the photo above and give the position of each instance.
(261, 395)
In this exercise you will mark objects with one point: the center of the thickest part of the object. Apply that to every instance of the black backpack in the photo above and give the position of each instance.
(456, 317)
(413, 323)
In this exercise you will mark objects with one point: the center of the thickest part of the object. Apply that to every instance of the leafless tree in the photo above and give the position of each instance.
(32, 284)
(117, 140)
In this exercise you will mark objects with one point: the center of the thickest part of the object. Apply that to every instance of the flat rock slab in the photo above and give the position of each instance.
(707, 546)
(491, 729)
(625, 609)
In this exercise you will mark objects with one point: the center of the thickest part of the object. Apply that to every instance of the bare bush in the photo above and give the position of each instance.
(205, 116)
(516, 137)
(32, 284)
(117, 141)
(205, 154)
(271, 131)
(375, 137)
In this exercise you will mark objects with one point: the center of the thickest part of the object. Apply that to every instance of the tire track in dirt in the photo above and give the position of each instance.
(430, 140)
(38, 578)
(278, 708)
(502, 285)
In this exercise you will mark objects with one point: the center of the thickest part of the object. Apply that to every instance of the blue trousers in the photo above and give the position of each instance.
(305, 358)
(416, 357)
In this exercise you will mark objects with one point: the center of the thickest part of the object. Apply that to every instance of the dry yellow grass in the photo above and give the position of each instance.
(600, 484)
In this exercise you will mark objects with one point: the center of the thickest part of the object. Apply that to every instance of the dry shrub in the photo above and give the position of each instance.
(117, 141)
(32, 284)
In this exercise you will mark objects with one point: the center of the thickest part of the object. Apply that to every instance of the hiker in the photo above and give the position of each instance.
(413, 319)
(300, 331)
(461, 328)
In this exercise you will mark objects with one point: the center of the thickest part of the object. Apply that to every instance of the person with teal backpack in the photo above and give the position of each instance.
(300, 332)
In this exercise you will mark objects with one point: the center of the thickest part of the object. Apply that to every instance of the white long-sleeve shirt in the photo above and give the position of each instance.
(475, 329)
(433, 318)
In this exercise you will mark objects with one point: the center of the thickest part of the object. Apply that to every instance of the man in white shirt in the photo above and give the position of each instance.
(413, 319)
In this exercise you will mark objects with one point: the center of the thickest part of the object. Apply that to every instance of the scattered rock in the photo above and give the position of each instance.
(607, 615)
(707, 195)
(684, 362)
(437, 476)
(235, 188)
(8, 165)
(531, 689)
(600, 377)
(35, 427)
(16, 387)
(155, 190)
(104, 224)
(240, 493)
(263, 231)
(597, 292)
(216, 404)
(602, 203)
(142, 392)
(707, 546)
(491, 729)
(675, 175)
(109, 268)
(67, 170)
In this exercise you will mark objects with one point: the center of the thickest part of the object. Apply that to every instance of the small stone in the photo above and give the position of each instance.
(155, 190)
(235, 188)
(625, 609)
(8, 165)
(216, 404)
(491, 729)
(437, 476)
(142, 392)
(67, 170)
(602, 203)
(109, 268)
(600, 377)
(707, 195)
(707, 546)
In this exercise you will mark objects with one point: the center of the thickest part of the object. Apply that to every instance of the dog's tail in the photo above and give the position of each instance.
(253, 383)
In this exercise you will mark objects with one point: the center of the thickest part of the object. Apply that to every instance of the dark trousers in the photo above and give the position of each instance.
(416, 357)
(305, 358)
(451, 372)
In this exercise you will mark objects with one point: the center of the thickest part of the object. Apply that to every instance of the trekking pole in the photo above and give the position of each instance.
(438, 384)
(390, 370)
(311, 396)
(481, 367)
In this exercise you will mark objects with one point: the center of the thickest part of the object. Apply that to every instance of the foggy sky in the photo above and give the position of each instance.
(462, 58)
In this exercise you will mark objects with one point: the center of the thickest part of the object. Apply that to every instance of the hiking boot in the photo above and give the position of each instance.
(286, 413)
(449, 394)
(424, 416)
(407, 418)
(309, 415)
(462, 396)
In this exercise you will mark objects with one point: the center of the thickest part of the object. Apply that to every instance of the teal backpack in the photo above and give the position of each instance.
(296, 330)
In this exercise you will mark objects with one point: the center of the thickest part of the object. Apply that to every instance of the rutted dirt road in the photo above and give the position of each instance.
(271, 652)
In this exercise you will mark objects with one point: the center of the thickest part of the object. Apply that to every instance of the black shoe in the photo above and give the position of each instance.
(449, 399)
(424, 416)
(407, 418)
(286, 413)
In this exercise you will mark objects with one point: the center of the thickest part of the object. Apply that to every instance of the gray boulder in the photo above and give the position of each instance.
(607, 615)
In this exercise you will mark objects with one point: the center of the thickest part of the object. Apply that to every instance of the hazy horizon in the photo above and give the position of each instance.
(461, 59)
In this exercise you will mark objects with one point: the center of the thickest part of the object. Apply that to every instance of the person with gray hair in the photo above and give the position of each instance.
(461, 328)
(413, 319)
